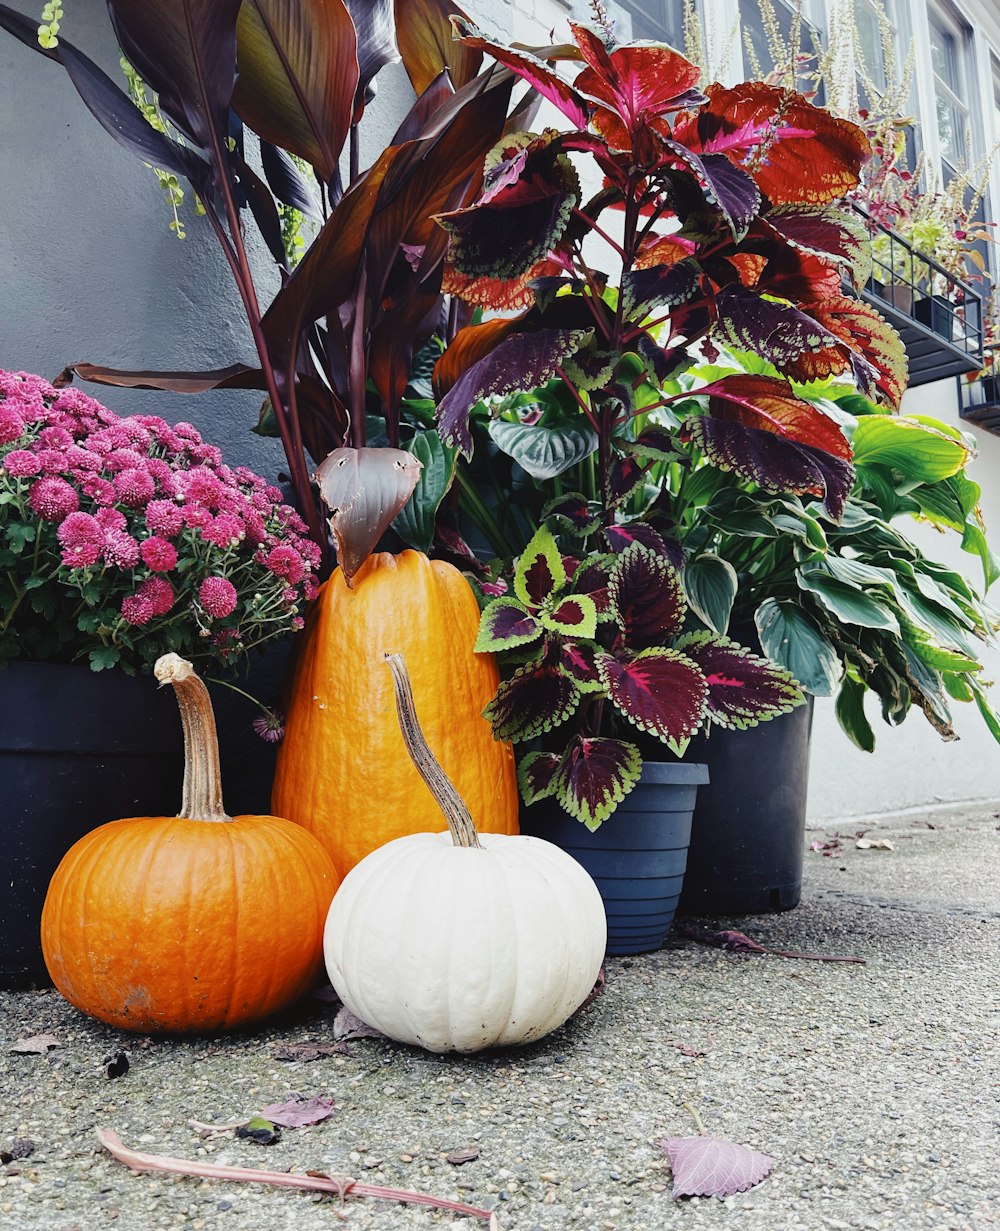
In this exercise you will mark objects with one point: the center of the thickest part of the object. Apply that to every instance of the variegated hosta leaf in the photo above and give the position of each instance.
(660, 691)
(505, 624)
(649, 291)
(878, 354)
(573, 514)
(520, 361)
(594, 776)
(540, 571)
(535, 699)
(578, 660)
(827, 231)
(647, 595)
(794, 150)
(593, 578)
(743, 688)
(536, 775)
(575, 615)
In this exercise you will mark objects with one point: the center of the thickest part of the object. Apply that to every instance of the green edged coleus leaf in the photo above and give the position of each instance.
(505, 624)
(574, 615)
(657, 443)
(593, 578)
(743, 688)
(594, 776)
(573, 513)
(540, 571)
(535, 699)
(790, 638)
(578, 660)
(536, 775)
(711, 584)
(646, 597)
(661, 691)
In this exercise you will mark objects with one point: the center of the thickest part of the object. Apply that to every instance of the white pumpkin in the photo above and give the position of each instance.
(456, 941)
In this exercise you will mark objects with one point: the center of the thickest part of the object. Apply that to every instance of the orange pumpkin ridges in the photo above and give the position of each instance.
(343, 771)
(197, 922)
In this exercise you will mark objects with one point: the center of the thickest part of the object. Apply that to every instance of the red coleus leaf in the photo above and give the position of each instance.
(826, 231)
(795, 151)
(573, 616)
(535, 699)
(536, 775)
(878, 357)
(625, 476)
(790, 338)
(505, 624)
(593, 578)
(768, 403)
(498, 295)
(743, 688)
(660, 691)
(573, 513)
(594, 776)
(713, 1167)
(647, 596)
(578, 659)
(522, 361)
(663, 250)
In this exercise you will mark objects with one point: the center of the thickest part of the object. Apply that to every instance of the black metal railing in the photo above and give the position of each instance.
(938, 314)
(979, 399)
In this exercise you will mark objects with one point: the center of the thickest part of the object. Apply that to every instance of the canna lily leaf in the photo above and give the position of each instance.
(660, 691)
(646, 595)
(594, 776)
(364, 489)
(505, 624)
(287, 182)
(427, 43)
(743, 689)
(540, 571)
(535, 699)
(374, 21)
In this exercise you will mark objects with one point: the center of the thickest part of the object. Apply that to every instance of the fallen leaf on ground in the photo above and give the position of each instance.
(874, 844)
(20, 1147)
(35, 1045)
(309, 1049)
(713, 1167)
(260, 1130)
(296, 1113)
(833, 847)
(595, 991)
(115, 1065)
(686, 1049)
(737, 942)
(347, 1025)
(468, 1155)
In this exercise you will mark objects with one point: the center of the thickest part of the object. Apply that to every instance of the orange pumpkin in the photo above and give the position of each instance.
(193, 922)
(343, 771)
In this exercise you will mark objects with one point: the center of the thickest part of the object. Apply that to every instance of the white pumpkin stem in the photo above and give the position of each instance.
(460, 822)
(202, 795)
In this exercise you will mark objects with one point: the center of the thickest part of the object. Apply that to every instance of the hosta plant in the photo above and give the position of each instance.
(605, 650)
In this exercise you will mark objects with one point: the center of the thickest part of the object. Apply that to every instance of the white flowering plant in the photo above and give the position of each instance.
(122, 538)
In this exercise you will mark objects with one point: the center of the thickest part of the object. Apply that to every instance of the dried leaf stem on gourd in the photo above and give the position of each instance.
(201, 799)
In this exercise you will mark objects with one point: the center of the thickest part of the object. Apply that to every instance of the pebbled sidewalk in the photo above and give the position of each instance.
(875, 1088)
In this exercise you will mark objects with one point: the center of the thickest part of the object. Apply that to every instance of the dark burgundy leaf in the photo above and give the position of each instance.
(573, 616)
(743, 688)
(260, 200)
(594, 777)
(593, 578)
(535, 699)
(579, 661)
(626, 474)
(374, 21)
(649, 291)
(452, 543)
(115, 1065)
(505, 624)
(722, 185)
(658, 690)
(536, 775)
(297, 1113)
(286, 181)
(826, 231)
(647, 594)
(596, 991)
(364, 489)
(714, 1167)
(523, 361)
(779, 332)
(621, 537)
(736, 942)
(573, 513)
(655, 442)
(347, 1025)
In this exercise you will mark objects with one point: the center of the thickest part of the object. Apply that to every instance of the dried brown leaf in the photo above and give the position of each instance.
(35, 1045)
(309, 1049)
(347, 1025)
(468, 1155)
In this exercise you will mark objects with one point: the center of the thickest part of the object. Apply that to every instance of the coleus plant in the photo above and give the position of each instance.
(296, 77)
(603, 643)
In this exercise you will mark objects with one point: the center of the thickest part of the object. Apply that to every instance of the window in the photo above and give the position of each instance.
(757, 49)
(660, 21)
(869, 29)
(949, 59)
(995, 69)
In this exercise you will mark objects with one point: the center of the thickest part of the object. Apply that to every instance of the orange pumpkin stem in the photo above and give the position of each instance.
(202, 794)
(460, 822)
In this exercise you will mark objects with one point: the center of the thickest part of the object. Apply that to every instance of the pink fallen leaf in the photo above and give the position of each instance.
(35, 1045)
(296, 1113)
(738, 942)
(347, 1025)
(713, 1167)
(468, 1155)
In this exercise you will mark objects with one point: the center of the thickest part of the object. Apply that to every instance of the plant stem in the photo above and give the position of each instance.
(202, 795)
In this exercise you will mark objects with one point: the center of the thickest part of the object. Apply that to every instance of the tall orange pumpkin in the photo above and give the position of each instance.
(194, 922)
(343, 771)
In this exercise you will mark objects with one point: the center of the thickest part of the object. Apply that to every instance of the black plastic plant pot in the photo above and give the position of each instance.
(938, 313)
(748, 837)
(638, 856)
(77, 748)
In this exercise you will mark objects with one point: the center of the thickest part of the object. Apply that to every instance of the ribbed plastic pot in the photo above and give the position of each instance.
(638, 856)
(77, 748)
(748, 836)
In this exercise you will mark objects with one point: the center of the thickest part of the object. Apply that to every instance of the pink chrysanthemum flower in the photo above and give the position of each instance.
(200, 486)
(164, 517)
(270, 726)
(217, 596)
(224, 530)
(82, 460)
(124, 459)
(160, 593)
(110, 519)
(11, 424)
(55, 438)
(134, 487)
(101, 491)
(285, 561)
(21, 464)
(158, 554)
(81, 538)
(52, 498)
(121, 550)
(196, 516)
(52, 461)
(137, 609)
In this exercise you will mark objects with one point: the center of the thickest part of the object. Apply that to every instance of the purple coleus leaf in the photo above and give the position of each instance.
(535, 699)
(660, 691)
(655, 442)
(620, 537)
(826, 231)
(519, 361)
(625, 476)
(505, 624)
(714, 1167)
(575, 615)
(536, 775)
(726, 187)
(779, 332)
(743, 688)
(659, 287)
(297, 1113)
(573, 513)
(593, 578)
(540, 571)
(647, 597)
(594, 776)
(578, 660)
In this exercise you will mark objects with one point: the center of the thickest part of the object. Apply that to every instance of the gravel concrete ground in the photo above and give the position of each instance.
(875, 1088)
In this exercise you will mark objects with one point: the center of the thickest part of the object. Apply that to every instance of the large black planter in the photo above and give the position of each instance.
(77, 748)
(637, 857)
(748, 834)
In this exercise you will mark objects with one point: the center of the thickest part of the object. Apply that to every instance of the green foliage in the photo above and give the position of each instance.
(48, 30)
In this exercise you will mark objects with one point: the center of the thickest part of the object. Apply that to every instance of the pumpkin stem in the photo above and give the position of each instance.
(460, 822)
(202, 796)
